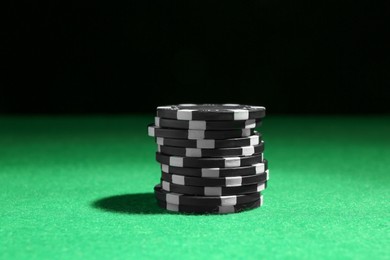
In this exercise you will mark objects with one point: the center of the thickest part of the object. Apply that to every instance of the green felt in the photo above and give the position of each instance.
(81, 187)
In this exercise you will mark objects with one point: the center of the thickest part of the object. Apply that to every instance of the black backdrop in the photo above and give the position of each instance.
(291, 56)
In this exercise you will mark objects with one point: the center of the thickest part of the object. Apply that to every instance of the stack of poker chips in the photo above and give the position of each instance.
(211, 158)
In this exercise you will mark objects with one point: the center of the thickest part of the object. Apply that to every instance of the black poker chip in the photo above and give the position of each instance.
(219, 162)
(221, 152)
(206, 125)
(230, 112)
(198, 134)
(212, 191)
(181, 199)
(215, 182)
(217, 172)
(211, 143)
(210, 209)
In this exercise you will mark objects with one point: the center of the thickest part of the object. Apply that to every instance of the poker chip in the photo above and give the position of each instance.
(206, 125)
(215, 182)
(209, 162)
(212, 191)
(181, 199)
(212, 159)
(223, 152)
(217, 172)
(198, 134)
(210, 209)
(211, 143)
(227, 112)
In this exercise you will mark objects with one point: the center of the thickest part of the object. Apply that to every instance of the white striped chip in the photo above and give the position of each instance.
(157, 121)
(195, 134)
(172, 207)
(185, 114)
(250, 123)
(261, 187)
(212, 191)
(248, 150)
(233, 181)
(232, 162)
(176, 161)
(260, 167)
(267, 172)
(254, 139)
(197, 125)
(261, 200)
(205, 143)
(160, 140)
(193, 152)
(172, 198)
(151, 131)
(246, 132)
(159, 148)
(210, 172)
(228, 200)
(165, 168)
(166, 186)
(240, 114)
(226, 209)
(178, 179)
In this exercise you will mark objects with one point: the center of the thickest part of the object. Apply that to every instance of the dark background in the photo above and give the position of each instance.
(291, 56)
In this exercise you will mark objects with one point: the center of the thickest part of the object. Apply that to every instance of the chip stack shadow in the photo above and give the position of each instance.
(211, 158)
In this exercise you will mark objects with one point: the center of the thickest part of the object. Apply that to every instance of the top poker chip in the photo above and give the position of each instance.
(211, 112)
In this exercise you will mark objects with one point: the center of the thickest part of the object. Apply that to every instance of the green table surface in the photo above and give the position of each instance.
(81, 187)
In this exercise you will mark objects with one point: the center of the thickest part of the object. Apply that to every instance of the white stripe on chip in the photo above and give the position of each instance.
(151, 131)
(193, 152)
(165, 168)
(228, 200)
(248, 150)
(232, 162)
(166, 186)
(172, 198)
(184, 114)
(226, 209)
(245, 132)
(176, 161)
(160, 140)
(240, 114)
(254, 139)
(178, 179)
(250, 123)
(195, 134)
(261, 187)
(233, 181)
(157, 121)
(172, 207)
(197, 125)
(260, 167)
